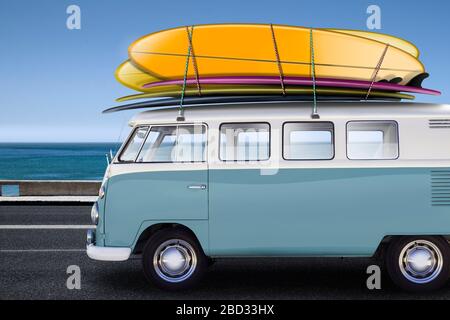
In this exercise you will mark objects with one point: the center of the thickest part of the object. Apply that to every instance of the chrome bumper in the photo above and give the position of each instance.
(105, 253)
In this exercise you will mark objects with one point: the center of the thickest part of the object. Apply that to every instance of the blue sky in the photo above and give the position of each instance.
(55, 82)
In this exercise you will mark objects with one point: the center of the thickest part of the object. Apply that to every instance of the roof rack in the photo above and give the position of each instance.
(174, 103)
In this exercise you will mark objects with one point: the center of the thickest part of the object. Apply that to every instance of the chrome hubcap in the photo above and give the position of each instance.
(420, 261)
(175, 260)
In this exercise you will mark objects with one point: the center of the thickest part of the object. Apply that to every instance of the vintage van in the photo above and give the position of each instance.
(268, 180)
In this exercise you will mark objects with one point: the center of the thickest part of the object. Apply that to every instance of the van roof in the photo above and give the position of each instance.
(292, 111)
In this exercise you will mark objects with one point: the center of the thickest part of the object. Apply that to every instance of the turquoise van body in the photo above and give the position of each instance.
(295, 212)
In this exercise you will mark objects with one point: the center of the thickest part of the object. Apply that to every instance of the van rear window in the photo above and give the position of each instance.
(372, 140)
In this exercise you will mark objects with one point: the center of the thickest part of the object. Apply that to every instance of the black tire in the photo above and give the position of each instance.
(405, 276)
(179, 238)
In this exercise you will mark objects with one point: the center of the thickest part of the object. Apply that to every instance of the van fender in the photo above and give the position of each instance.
(198, 227)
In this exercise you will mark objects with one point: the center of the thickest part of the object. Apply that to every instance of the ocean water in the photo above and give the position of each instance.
(54, 161)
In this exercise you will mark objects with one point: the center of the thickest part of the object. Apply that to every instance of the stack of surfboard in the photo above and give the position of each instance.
(241, 61)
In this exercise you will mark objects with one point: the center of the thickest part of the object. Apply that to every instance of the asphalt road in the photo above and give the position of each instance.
(33, 265)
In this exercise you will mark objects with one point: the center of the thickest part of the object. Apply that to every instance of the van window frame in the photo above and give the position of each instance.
(244, 122)
(373, 121)
(150, 126)
(128, 141)
(333, 140)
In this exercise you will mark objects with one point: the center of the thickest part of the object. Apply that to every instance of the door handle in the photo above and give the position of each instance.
(197, 186)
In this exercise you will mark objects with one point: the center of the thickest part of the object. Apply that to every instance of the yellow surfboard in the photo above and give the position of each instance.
(174, 91)
(132, 77)
(248, 49)
(384, 38)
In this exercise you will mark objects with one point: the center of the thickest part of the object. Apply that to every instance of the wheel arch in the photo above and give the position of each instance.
(149, 230)
(384, 243)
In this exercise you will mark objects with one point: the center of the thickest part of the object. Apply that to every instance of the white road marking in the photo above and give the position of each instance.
(45, 227)
(42, 250)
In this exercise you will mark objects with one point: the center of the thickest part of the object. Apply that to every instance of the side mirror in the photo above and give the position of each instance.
(109, 157)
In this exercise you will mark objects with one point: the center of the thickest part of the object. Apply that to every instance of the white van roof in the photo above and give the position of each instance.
(294, 111)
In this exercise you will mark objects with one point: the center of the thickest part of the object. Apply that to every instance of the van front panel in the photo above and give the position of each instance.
(134, 198)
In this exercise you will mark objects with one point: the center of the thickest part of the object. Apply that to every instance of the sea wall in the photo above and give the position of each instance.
(28, 188)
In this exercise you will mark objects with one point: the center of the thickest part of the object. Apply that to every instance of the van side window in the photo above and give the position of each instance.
(244, 142)
(308, 141)
(372, 140)
(134, 145)
(185, 143)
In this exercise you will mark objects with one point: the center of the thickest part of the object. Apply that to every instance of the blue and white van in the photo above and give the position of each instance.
(268, 180)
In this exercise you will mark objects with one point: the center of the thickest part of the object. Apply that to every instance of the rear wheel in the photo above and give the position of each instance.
(173, 260)
(418, 263)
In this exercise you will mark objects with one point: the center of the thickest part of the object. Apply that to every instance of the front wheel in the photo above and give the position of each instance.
(173, 260)
(419, 263)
